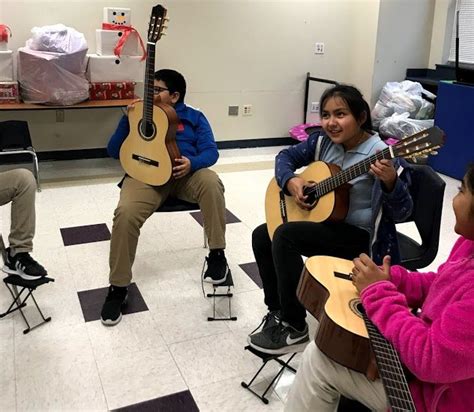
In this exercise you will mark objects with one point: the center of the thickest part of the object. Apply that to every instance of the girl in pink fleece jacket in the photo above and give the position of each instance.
(437, 345)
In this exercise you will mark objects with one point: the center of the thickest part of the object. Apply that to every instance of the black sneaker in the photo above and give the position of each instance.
(217, 268)
(112, 309)
(279, 339)
(23, 265)
(271, 319)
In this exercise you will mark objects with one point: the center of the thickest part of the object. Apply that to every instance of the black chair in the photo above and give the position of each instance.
(173, 204)
(427, 191)
(15, 139)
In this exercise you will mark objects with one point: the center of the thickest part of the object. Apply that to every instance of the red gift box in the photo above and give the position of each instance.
(9, 92)
(111, 90)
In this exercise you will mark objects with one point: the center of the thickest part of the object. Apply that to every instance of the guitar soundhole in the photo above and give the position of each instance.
(147, 130)
(356, 307)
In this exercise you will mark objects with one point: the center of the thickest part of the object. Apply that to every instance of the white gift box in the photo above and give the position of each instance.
(114, 69)
(6, 65)
(106, 40)
(117, 15)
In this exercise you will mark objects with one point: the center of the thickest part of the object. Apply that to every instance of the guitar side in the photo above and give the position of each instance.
(342, 334)
(151, 161)
(333, 206)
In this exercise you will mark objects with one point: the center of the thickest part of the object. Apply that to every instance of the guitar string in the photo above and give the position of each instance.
(379, 342)
(329, 184)
(148, 102)
(401, 388)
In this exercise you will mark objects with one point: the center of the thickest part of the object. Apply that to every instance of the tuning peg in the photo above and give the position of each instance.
(434, 153)
(164, 27)
(166, 19)
(163, 34)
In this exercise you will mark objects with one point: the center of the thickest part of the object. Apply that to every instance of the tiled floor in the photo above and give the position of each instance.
(164, 355)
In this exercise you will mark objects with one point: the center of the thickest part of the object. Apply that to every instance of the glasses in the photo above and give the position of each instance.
(158, 89)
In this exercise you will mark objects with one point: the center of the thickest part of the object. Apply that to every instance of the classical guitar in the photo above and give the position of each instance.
(148, 152)
(330, 194)
(345, 333)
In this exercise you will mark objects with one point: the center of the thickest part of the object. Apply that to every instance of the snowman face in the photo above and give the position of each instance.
(117, 15)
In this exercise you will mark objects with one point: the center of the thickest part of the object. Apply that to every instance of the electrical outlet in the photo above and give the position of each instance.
(233, 110)
(314, 107)
(319, 48)
(247, 110)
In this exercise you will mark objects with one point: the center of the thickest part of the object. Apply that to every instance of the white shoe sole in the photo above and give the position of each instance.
(110, 322)
(216, 282)
(299, 347)
(23, 275)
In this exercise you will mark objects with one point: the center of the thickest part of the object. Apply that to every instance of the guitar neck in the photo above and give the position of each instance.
(344, 176)
(391, 371)
(149, 83)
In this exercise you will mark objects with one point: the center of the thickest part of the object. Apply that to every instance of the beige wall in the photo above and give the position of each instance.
(233, 52)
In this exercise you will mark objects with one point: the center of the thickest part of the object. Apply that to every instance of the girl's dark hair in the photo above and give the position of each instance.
(469, 178)
(354, 100)
(174, 82)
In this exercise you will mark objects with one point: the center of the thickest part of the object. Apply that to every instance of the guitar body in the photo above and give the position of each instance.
(151, 159)
(333, 300)
(332, 207)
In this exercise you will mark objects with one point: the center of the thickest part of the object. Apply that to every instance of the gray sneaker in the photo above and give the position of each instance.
(279, 339)
(270, 319)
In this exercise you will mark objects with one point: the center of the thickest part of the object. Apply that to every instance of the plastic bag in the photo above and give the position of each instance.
(403, 97)
(52, 78)
(401, 125)
(57, 38)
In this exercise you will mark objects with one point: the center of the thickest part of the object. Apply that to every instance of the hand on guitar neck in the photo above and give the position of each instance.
(385, 171)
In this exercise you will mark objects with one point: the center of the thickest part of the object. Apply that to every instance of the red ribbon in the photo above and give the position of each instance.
(126, 32)
(4, 33)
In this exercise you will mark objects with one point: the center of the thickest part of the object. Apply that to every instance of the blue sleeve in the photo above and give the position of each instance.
(120, 134)
(206, 146)
(398, 204)
(294, 157)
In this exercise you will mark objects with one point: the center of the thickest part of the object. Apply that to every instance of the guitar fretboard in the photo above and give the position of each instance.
(149, 83)
(391, 371)
(328, 185)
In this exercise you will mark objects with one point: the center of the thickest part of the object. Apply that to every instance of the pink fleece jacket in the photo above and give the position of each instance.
(438, 345)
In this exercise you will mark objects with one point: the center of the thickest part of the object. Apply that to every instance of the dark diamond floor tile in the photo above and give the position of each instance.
(92, 301)
(251, 269)
(85, 234)
(229, 217)
(177, 402)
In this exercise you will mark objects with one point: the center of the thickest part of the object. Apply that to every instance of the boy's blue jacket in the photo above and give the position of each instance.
(194, 137)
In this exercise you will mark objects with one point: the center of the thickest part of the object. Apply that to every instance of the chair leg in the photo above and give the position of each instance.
(205, 239)
(36, 169)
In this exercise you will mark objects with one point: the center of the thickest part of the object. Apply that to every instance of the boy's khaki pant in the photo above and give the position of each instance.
(19, 187)
(138, 201)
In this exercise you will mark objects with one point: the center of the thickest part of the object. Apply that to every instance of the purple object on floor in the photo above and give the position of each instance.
(176, 402)
(92, 300)
(229, 217)
(85, 234)
(251, 269)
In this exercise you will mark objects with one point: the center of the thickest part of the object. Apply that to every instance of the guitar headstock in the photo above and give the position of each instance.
(157, 23)
(420, 144)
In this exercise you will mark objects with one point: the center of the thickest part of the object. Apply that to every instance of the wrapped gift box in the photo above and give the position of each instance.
(6, 65)
(52, 78)
(9, 92)
(106, 40)
(111, 90)
(115, 69)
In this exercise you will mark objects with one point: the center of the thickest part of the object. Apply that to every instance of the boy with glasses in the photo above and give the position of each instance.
(192, 181)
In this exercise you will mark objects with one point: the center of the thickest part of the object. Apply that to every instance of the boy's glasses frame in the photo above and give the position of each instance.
(158, 89)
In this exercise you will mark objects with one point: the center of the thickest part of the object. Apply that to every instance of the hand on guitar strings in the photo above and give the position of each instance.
(296, 186)
(365, 271)
(183, 168)
(385, 171)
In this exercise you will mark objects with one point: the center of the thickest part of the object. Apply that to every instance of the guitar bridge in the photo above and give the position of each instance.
(145, 160)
